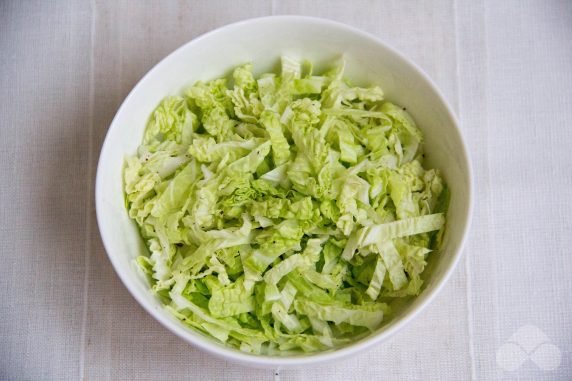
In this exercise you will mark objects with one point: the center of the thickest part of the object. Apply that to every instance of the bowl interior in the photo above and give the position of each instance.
(262, 42)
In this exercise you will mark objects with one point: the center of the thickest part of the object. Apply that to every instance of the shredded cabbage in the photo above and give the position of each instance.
(284, 213)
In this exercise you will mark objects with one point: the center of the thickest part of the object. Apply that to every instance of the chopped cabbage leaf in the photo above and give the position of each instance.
(284, 213)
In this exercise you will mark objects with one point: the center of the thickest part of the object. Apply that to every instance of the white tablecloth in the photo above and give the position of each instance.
(506, 66)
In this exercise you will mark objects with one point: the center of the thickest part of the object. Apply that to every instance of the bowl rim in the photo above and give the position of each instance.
(267, 361)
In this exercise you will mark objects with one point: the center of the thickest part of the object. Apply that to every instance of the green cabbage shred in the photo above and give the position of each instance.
(284, 213)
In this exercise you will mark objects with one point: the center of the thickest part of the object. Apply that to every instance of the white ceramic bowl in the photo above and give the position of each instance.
(262, 41)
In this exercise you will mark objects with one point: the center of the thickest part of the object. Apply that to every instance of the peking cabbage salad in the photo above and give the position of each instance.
(284, 213)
